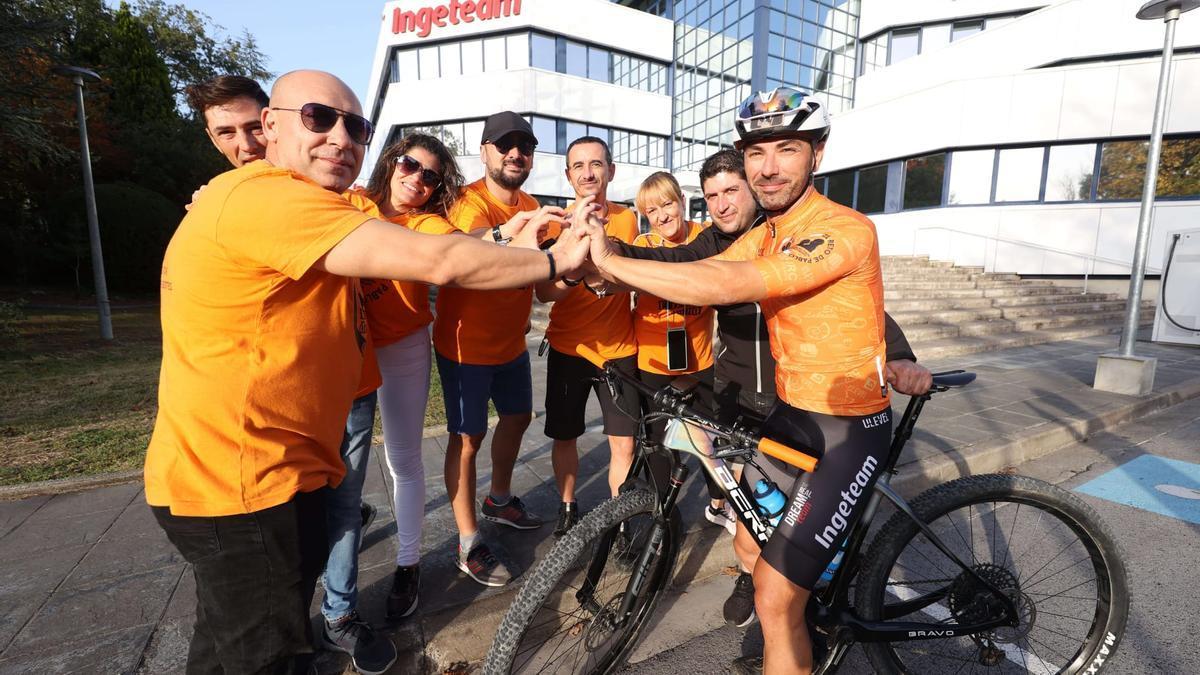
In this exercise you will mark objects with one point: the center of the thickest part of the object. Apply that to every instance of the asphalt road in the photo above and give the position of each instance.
(1161, 550)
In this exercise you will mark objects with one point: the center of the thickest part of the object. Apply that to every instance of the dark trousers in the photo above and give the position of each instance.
(255, 577)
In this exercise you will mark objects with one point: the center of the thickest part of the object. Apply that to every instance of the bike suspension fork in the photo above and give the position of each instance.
(654, 544)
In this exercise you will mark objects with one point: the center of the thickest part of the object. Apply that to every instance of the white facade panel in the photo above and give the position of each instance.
(880, 14)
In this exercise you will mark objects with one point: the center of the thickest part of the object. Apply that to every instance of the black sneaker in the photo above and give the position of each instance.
(512, 514)
(568, 515)
(739, 606)
(746, 665)
(368, 513)
(402, 599)
(370, 653)
(482, 566)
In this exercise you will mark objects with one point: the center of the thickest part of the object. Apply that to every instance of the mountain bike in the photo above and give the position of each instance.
(999, 573)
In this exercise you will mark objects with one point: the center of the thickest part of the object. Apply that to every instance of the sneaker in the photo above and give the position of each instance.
(512, 514)
(402, 599)
(368, 513)
(739, 606)
(568, 515)
(746, 665)
(482, 566)
(722, 516)
(370, 653)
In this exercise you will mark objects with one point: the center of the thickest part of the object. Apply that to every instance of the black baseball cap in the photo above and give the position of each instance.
(507, 122)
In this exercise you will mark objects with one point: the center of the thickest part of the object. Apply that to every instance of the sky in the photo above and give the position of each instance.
(334, 35)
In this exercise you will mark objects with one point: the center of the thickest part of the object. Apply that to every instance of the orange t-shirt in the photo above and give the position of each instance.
(653, 316)
(261, 352)
(397, 308)
(582, 324)
(484, 328)
(824, 309)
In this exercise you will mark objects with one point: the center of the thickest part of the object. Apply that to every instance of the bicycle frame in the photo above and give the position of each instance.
(831, 611)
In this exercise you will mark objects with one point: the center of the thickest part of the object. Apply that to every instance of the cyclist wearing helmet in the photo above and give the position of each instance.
(814, 269)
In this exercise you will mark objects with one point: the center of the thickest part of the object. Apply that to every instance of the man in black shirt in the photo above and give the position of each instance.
(745, 368)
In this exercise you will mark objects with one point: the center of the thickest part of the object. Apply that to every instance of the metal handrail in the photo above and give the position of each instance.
(1039, 247)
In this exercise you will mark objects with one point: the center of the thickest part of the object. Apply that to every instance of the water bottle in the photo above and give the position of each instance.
(770, 500)
(827, 575)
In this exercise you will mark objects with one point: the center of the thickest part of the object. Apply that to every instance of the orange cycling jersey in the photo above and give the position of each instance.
(484, 328)
(598, 329)
(397, 308)
(824, 305)
(653, 316)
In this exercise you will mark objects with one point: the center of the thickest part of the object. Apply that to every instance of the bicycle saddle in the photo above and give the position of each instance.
(953, 378)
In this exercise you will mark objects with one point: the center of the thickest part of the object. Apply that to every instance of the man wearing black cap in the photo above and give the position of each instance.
(479, 340)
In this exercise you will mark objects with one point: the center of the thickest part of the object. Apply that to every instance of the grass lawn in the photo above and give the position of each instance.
(73, 405)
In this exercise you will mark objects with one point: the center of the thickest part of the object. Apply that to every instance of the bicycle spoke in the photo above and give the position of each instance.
(1044, 579)
(1011, 531)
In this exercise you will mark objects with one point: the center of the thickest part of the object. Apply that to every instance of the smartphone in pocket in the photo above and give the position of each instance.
(677, 348)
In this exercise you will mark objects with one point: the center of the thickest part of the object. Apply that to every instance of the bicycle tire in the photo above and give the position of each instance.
(998, 650)
(569, 556)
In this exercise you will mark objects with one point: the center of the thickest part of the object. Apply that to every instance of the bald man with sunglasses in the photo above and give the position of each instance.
(261, 317)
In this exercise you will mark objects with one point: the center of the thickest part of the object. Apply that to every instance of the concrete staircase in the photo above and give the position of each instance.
(947, 310)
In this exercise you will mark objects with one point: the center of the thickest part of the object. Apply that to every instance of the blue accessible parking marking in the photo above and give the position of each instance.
(1164, 486)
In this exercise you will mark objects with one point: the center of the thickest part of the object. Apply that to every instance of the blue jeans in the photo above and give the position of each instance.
(343, 517)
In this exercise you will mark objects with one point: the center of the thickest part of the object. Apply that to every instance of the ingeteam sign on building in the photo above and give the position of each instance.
(422, 21)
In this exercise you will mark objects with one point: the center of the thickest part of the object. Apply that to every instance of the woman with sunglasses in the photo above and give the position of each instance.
(414, 183)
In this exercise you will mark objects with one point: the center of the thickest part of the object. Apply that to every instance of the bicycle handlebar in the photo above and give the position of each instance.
(675, 405)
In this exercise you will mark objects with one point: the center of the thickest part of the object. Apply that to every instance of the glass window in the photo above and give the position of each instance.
(1069, 175)
(598, 64)
(472, 57)
(923, 181)
(964, 29)
(451, 64)
(428, 57)
(576, 59)
(872, 189)
(547, 135)
(543, 52)
(934, 37)
(573, 130)
(407, 65)
(841, 187)
(905, 44)
(1019, 174)
(820, 182)
(1179, 168)
(472, 136)
(971, 177)
(1122, 170)
(493, 54)
(518, 50)
(599, 132)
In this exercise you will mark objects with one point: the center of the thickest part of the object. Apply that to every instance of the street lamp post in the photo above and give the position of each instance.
(1124, 372)
(79, 76)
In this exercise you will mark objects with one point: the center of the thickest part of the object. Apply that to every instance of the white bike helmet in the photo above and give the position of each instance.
(783, 111)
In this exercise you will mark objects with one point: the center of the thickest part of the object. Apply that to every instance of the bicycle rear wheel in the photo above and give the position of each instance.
(553, 626)
(1043, 547)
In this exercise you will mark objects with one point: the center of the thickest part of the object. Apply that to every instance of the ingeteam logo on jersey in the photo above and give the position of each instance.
(850, 496)
(423, 20)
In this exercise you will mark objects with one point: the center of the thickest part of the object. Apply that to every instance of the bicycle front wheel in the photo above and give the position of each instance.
(1042, 546)
(565, 617)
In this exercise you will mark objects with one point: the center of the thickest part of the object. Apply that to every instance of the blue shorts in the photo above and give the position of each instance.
(467, 388)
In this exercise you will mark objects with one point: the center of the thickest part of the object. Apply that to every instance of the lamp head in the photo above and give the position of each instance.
(71, 72)
(1158, 9)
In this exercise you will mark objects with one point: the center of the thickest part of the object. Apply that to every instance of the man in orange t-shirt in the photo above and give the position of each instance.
(263, 337)
(479, 342)
(585, 331)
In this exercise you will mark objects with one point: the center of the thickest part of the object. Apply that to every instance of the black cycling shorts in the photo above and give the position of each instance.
(823, 505)
(569, 379)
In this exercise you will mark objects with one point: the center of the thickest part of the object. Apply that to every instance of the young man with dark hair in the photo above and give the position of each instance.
(232, 107)
(585, 331)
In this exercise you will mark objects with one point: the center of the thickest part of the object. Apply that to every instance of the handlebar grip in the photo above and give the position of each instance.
(784, 453)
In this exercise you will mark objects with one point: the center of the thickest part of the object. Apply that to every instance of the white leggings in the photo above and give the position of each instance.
(404, 365)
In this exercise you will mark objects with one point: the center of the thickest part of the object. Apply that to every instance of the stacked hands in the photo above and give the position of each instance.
(583, 251)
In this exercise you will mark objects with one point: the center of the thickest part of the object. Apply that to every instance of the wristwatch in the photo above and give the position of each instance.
(498, 236)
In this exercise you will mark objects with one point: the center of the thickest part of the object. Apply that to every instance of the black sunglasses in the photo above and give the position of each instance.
(510, 141)
(320, 118)
(409, 166)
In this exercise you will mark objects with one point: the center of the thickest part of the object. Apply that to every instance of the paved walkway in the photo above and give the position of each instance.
(88, 583)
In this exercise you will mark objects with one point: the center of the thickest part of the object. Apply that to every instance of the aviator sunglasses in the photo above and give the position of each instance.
(320, 118)
(409, 166)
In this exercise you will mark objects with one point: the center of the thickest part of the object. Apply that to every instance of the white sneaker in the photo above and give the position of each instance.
(723, 516)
